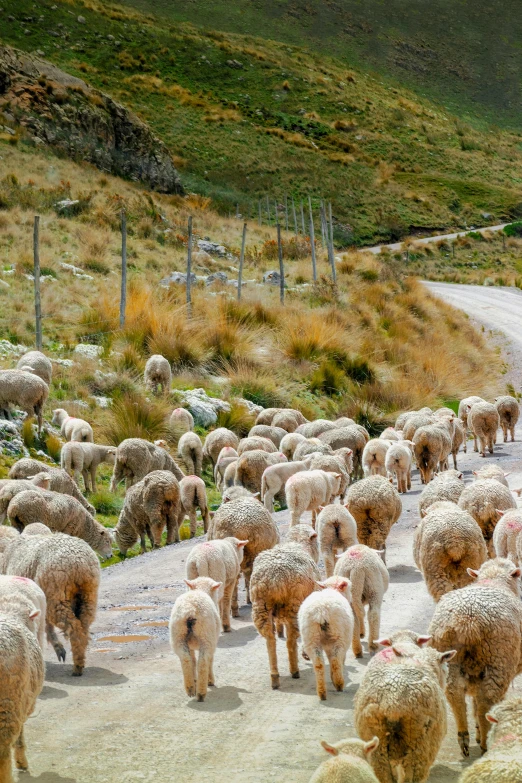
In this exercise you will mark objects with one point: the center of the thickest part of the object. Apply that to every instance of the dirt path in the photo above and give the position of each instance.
(426, 240)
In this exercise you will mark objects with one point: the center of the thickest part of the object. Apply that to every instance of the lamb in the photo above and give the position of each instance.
(275, 434)
(227, 456)
(446, 544)
(374, 456)
(464, 410)
(306, 536)
(483, 499)
(375, 506)
(10, 488)
(484, 623)
(219, 560)
(157, 373)
(448, 485)
(60, 479)
(255, 442)
(503, 761)
(135, 458)
(352, 437)
(350, 762)
(190, 450)
(193, 495)
(275, 477)
(492, 472)
(194, 625)
(68, 572)
(369, 580)
(311, 446)
(337, 530)
(37, 363)
(77, 457)
(25, 391)
(509, 413)
(332, 463)
(251, 466)
(325, 622)
(61, 513)
(72, 428)
(397, 463)
(308, 490)
(506, 534)
(215, 441)
(150, 505)
(290, 442)
(181, 420)
(484, 421)
(18, 593)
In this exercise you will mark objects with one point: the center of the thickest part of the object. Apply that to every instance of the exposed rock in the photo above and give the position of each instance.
(203, 408)
(272, 278)
(88, 350)
(212, 248)
(10, 441)
(179, 278)
(220, 277)
(9, 349)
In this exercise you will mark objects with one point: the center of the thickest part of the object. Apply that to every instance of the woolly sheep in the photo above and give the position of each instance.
(390, 433)
(255, 442)
(369, 580)
(374, 456)
(287, 420)
(332, 463)
(400, 421)
(447, 542)
(306, 536)
(344, 421)
(84, 458)
(275, 477)
(219, 560)
(10, 488)
(193, 495)
(351, 437)
(68, 572)
(503, 761)
(431, 447)
(36, 529)
(484, 623)
(464, 410)
(448, 485)
(229, 476)
(19, 591)
(227, 456)
(310, 489)
(506, 534)
(290, 442)
(157, 373)
(310, 446)
(215, 441)
(484, 421)
(458, 440)
(375, 506)
(315, 428)
(135, 458)
(72, 428)
(275, 434)
(38, 363)
(325, 622)
(337, 530)
(194, 626)
(180, 421)
(149, 506)
(346, 455)
(190, 450)
(350, 762)
(266, 415)
(234, 493)
(483, 499)
(251, 465)
(509, 413)
(282, 578)
(60, 479)
(397, 463)
(491, 472)
(24, 391)
(415, 422)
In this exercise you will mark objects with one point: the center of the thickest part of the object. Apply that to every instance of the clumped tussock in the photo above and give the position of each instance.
(133, 416)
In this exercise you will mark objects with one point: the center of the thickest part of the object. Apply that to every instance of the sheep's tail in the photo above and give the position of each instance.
(336, 528)
(456, 551)
(507, 415)
(190, 622)
(65, 460)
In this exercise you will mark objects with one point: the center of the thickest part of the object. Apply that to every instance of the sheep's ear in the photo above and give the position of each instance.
(472, 572)
(342, 584)
(475, 472)
(371, 745)
(313, 535)
(216, 586)
(517, 491)
(500, 512)
(349, 451)
(190, 585)
(508, 473)
(241, 544)
(461, 475)
(337, 556)
(322, 585)
(320, 508)
(422, 640)
(329, 748)
(447, 656)
(491, 718)
(34, 614)
(256, 494)
(516, 573)
(338, 475)
(384, 642)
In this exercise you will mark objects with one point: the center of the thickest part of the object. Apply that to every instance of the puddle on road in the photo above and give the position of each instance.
(130, 608)
(155, 624)
(125, 639)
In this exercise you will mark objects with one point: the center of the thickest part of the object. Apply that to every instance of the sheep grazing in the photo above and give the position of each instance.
(36, 529)
(72, 428)
(193, 495)
(509, 413)
(351, 437)
(506, 535)
(190, 450)
(311, 446)
(25, 391)
(290, 442)
(483, 500)
(375, 506)
(135, 458)
(255, 442)
(350, 762)
(313, 429)
(397, 463)
(9, 488)
(227, 456)
(181, 420)
(275, 477)
(431, 447)
(448, 485)
(266, 415)
(37, 363)
(24, 598)
(194, 627)
(68, 572)
(337, 530)
(369, 580)
(219, 560)
(275, 434)
(503, 761)
(374, 457)
(150, 505)
(325, 621)
(306, 536)
(447, 542)
(234, 493)
(157, 373)
(491, 472)
(484, 623)
(251, 465)
(288, 419)
(215, 441)
(85, 458)
(484, 421)
(310, 489)
(60, 479)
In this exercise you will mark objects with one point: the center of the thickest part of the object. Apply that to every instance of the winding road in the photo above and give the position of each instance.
(426, 240)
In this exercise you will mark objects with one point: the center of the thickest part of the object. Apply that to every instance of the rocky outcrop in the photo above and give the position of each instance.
(64, 112)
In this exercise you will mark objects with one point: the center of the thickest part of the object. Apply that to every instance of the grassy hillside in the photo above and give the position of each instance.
(247, 117)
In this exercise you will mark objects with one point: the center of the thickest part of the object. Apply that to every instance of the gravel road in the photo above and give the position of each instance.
(426, 240)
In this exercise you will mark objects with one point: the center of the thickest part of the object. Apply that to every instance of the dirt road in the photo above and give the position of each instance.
(426, 240)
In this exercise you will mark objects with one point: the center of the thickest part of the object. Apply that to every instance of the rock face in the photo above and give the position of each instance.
(64, 112)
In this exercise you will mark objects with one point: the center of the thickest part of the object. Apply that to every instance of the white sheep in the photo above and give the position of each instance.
(190, 450)
(85, 458)
(37, 363)
(375, 506)
(306, 536)
(308, 490)
(397, 463)
(9, 488)
(350, 762)
(226, 457)
(150, 505)
(25, 391)
(18, 591)
(255, 442)
(181, 420)
(334, 463)
(391, 433)
(216, 440)
(484, 421)
(136, 457)
(503, 761)
(274, 479)
(290, 442)
(374, 456)
(336, 530)
(506, 534)
(492, 471)
(60, 480)
(275, 434)
(509, 413)
(483, 500)
(458, 440)
(193, 495)
(251, 465)
(72, 428)
(448, 485)
(463, 412)
(157, 373)
(432, 445)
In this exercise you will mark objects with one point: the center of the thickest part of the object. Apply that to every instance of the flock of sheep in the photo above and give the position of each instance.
(468, 547)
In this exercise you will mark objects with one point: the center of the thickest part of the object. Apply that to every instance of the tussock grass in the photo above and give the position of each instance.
(134, 416)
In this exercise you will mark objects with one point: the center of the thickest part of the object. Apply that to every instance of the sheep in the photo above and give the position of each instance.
(400, 421)
(375, 506)
(266, 415)
(135, 458)
(286, 420)
(275, 477)
(25, 391)
(308, 490)
(229, 476)
(255, 442)
(37, 363)
(350, 762)
(402, 703)
(290, 442)
(448, 485)
(506, 534)
(68, 572)
(306, 536)
(390, 433)
(447, 542)
(369, 580)
(149, 506)
(484, 421)
(9, 488)
(275, 434)
(332, 463)
(234, 493)
(509, 413)
(157, 373)
(194, 625)
(181, 420)
(415, 422)
(247, 519)
(483, 621)
(464, 410)
(397, 463)
(325, 621)
(227, 456)
(193, 495)
(190, 450)
(60, 479)
(483, 499)
(315, 428)
(282, 578)
(72, 428)
(346, 456)
(221, 561)
(215, 441)
(36, 529)
(503, 761)
(492, 471)
(61, 513)
(337, 530)
(251, 466)
(351, 437)
(77, 457)
(18, 592)
(431, 447)
(373, 457)
(311, 446)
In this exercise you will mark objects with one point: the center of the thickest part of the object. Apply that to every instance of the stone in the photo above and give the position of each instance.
(81, 20)
(272, 278)
(9, 349)
(203, 408)
(212, 248)
(88, 350)
(179, 278)
(11, 442)
(202, 258)
(219, 277)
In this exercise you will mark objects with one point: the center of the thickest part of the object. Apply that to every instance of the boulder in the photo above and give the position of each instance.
(272, 278)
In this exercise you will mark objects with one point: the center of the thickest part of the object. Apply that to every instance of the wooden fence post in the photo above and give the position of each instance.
(123, 295)
(312, 239)
(281, 266)
(189, 268)
(241, 260)
(286, 212)
(303, 219)
(37, 300)
(323, 226)
(329, 234)
(268, 210)
(260, 219)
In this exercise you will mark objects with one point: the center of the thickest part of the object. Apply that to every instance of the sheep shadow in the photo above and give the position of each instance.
(225, 699)
(440, 773)
(52, 693)
(238, 637)
(305, 686)
(404, 574)
(47, 777)
(92, 676)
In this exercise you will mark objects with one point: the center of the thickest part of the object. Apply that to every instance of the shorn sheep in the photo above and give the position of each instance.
(60, 479)
(190, 450)
(72, 428)
(503, 761)
(157, 373)
(375, 506)
(25, 391)
(336, 530)
(374, 457)
(85, 458)
(136, 457)
(484, 421)
(483, 500)
(37, 363)
(275, 477)
(398, 461)
(509, 414)
(193, 495)
(350, 762)
(251, 465)
(150, 505)
(310, 489)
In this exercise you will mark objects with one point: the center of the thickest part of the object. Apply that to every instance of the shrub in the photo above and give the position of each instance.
(27, 433)
(134, 416)
(328, 379)
(513, 229)
(237, 419)
(261, 389)
(53, 446)
(106, 502)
